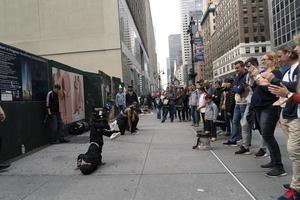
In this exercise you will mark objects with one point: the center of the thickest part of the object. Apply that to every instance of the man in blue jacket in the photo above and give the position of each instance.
(240, 88)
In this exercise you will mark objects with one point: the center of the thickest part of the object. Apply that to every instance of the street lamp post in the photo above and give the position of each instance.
(190, 31)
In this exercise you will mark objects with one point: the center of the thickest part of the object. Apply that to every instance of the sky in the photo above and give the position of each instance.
(166, 21)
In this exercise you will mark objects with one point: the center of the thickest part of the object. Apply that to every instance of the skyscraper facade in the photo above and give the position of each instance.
(284, 21)
(175, 53)
(114, 36)
(242, 31)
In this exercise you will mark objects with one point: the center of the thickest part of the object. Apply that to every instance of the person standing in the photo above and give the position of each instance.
(194, 105)
(3, 166)
(131, 97)
(120, 100)
(55, 122)
(267, 114)
(227, 104)
(179, 103)
(241, 91)
(202, 104)
(211, 114)
(290, 119)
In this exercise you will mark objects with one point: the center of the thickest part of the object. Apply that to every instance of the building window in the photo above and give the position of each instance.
(263, 39)
(256, 49)
(253, 9)
(246, 30)
(255, 39)
(254, 29)
(245, 20)
(254, 19)
(262, 29)
(263, 49)
(247, 50)
(246, 40)
(245, 11)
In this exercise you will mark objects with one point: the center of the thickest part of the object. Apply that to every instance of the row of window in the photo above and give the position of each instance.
(247, 50)
(254, 19)
(255, 39)
(252, 1)
(261, 9)
(255, 29)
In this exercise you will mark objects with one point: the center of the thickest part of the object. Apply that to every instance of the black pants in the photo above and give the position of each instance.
(186, 113)
(55, 127)
(180, 112)
(122, 124)
(267, 118)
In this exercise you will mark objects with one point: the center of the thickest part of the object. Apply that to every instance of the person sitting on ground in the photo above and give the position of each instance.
(128, 119)
(89, 162)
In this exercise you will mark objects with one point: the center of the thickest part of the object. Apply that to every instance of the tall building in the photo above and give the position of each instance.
(179, 75)
(175, 53)
(113, 36)
(284, 21)
(187, 6)
(242, 31)
(208, 25)
(168, 70)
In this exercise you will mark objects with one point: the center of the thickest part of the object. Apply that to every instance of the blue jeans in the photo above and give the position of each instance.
(158, 111)
(267, 118)
(238, 113)
(195, 115)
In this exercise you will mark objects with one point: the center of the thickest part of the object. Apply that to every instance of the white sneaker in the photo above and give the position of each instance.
(115, 135)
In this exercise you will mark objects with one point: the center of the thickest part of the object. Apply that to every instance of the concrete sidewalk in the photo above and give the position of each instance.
(156, 164)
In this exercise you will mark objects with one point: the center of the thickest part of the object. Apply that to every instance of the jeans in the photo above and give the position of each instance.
(158, 113)
(195, 115)
(267, 118)
(246, 129)
(166, 110)
(238, 113)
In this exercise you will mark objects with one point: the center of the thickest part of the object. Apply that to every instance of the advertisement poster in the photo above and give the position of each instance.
(199, 47)
(23, 76)
(71, 96)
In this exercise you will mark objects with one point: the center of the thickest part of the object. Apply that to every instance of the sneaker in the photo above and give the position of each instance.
(213, 139)
(194, 147)
(239, 140)
(115, 135)
(286, 187)
(229, 143)
(243, 150)
(290, 195)
(268, 165)
(162, 121)
(4, 166)
(276, 172)
(261, 153)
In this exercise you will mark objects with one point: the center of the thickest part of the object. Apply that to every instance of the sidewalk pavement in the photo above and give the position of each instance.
(156, 164)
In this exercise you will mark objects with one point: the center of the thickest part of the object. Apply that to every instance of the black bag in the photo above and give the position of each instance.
(89, 162)
(76, 128)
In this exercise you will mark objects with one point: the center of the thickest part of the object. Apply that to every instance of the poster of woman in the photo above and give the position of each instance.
(71, 97)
